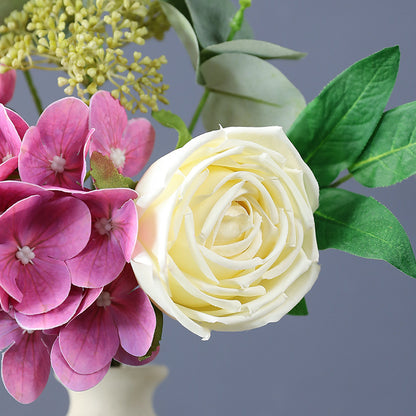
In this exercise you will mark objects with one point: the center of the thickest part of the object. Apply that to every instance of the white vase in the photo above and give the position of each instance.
(124, 391)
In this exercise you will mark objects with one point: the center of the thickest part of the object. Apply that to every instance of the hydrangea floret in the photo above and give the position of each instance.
(85, 39)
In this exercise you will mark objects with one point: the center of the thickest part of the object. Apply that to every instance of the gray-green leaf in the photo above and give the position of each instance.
(335, 127)
(390, 155)
(364, 227)
(300, 309)
(211, 21)
(184, 31)
(171, 120)
(259, 48)
(248, 91)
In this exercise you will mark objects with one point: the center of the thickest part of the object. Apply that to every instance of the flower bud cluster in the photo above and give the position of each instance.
(85, 39)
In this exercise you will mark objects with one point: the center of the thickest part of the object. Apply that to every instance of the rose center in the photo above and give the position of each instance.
(104, 299)
(7, 157)
(25, 255)
(118, 157)
(234, 223)
(58, 164)
(103, 226)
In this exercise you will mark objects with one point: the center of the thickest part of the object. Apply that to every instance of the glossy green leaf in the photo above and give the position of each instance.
(300, 309)
(211, 21)
(257, 94)
(390, 155)
(7, 6)
(171, 120)
(184, 31)
(335, 127)
(364, 227)
(259, 48)
(105, 174)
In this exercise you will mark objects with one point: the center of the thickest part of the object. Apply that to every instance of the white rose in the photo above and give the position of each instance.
(226, 236)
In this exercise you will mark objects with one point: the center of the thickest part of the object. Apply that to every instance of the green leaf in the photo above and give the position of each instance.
(171, 120)
(157, 335)
(259, 48)
(211, 21)
(184, 30)
(335, 127)
(105, 174)
(362, 226)
(300, 309)
(390, 155)
(7, 6)
(257, 94)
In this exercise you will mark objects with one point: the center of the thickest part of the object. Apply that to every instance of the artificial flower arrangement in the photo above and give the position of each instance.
(222, 233)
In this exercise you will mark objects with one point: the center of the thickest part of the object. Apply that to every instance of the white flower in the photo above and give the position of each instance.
(226, 235)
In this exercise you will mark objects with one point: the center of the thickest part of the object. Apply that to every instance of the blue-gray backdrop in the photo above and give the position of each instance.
(355, 352)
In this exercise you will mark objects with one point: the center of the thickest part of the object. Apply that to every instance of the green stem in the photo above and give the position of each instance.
(341, 180)
(33, 91)
(198, 111)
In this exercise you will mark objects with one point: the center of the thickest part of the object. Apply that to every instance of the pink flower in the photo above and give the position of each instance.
(12, 128)
(128, 144)
(38, 234)
(7, 84)
(53, 152)
(25, 365)
(121, 319)
(113, 236)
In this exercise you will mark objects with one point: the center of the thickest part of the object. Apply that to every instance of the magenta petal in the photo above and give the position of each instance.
(135, 320)
(55, 317)
(138, 141)
(25, 368)
(84, 157)
(108, 117)
(89, 341)
(9, 330)
(4, 300)
(7, 167)
(90, 296)
(61, 132)
(125, 228)
(13, 191)
(45, 284)
(71, 379)
(20, 125)
(7, 85)
(124, 357)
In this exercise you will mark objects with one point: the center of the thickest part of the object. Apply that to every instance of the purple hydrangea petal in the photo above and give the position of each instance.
(133, 314)
(89, 297)
(124, 357)
(20, 124)
(25, 368)
(55, 317)
(71, 379)
(45, 285)
(52, 152)
(9, 330)
(89, 341)
(7, 85)
(138, 141)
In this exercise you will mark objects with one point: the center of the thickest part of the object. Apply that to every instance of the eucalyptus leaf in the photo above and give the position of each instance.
(248, 91)
(7, 6)
(300, 309)
(211, 21)
(390, 155)
(259, 48)
(171, 120)
(335, 127)
(184, 31)
(364, 227)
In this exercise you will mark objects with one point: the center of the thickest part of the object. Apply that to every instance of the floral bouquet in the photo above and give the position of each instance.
(224, 232)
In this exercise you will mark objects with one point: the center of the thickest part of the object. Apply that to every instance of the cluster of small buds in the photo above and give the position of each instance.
(84, 38)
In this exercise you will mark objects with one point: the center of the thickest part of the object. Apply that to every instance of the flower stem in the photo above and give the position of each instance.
(33, 91)
(341, 181)
(198, 110)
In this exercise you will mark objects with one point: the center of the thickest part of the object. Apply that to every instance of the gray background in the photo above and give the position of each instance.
(355, 353)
